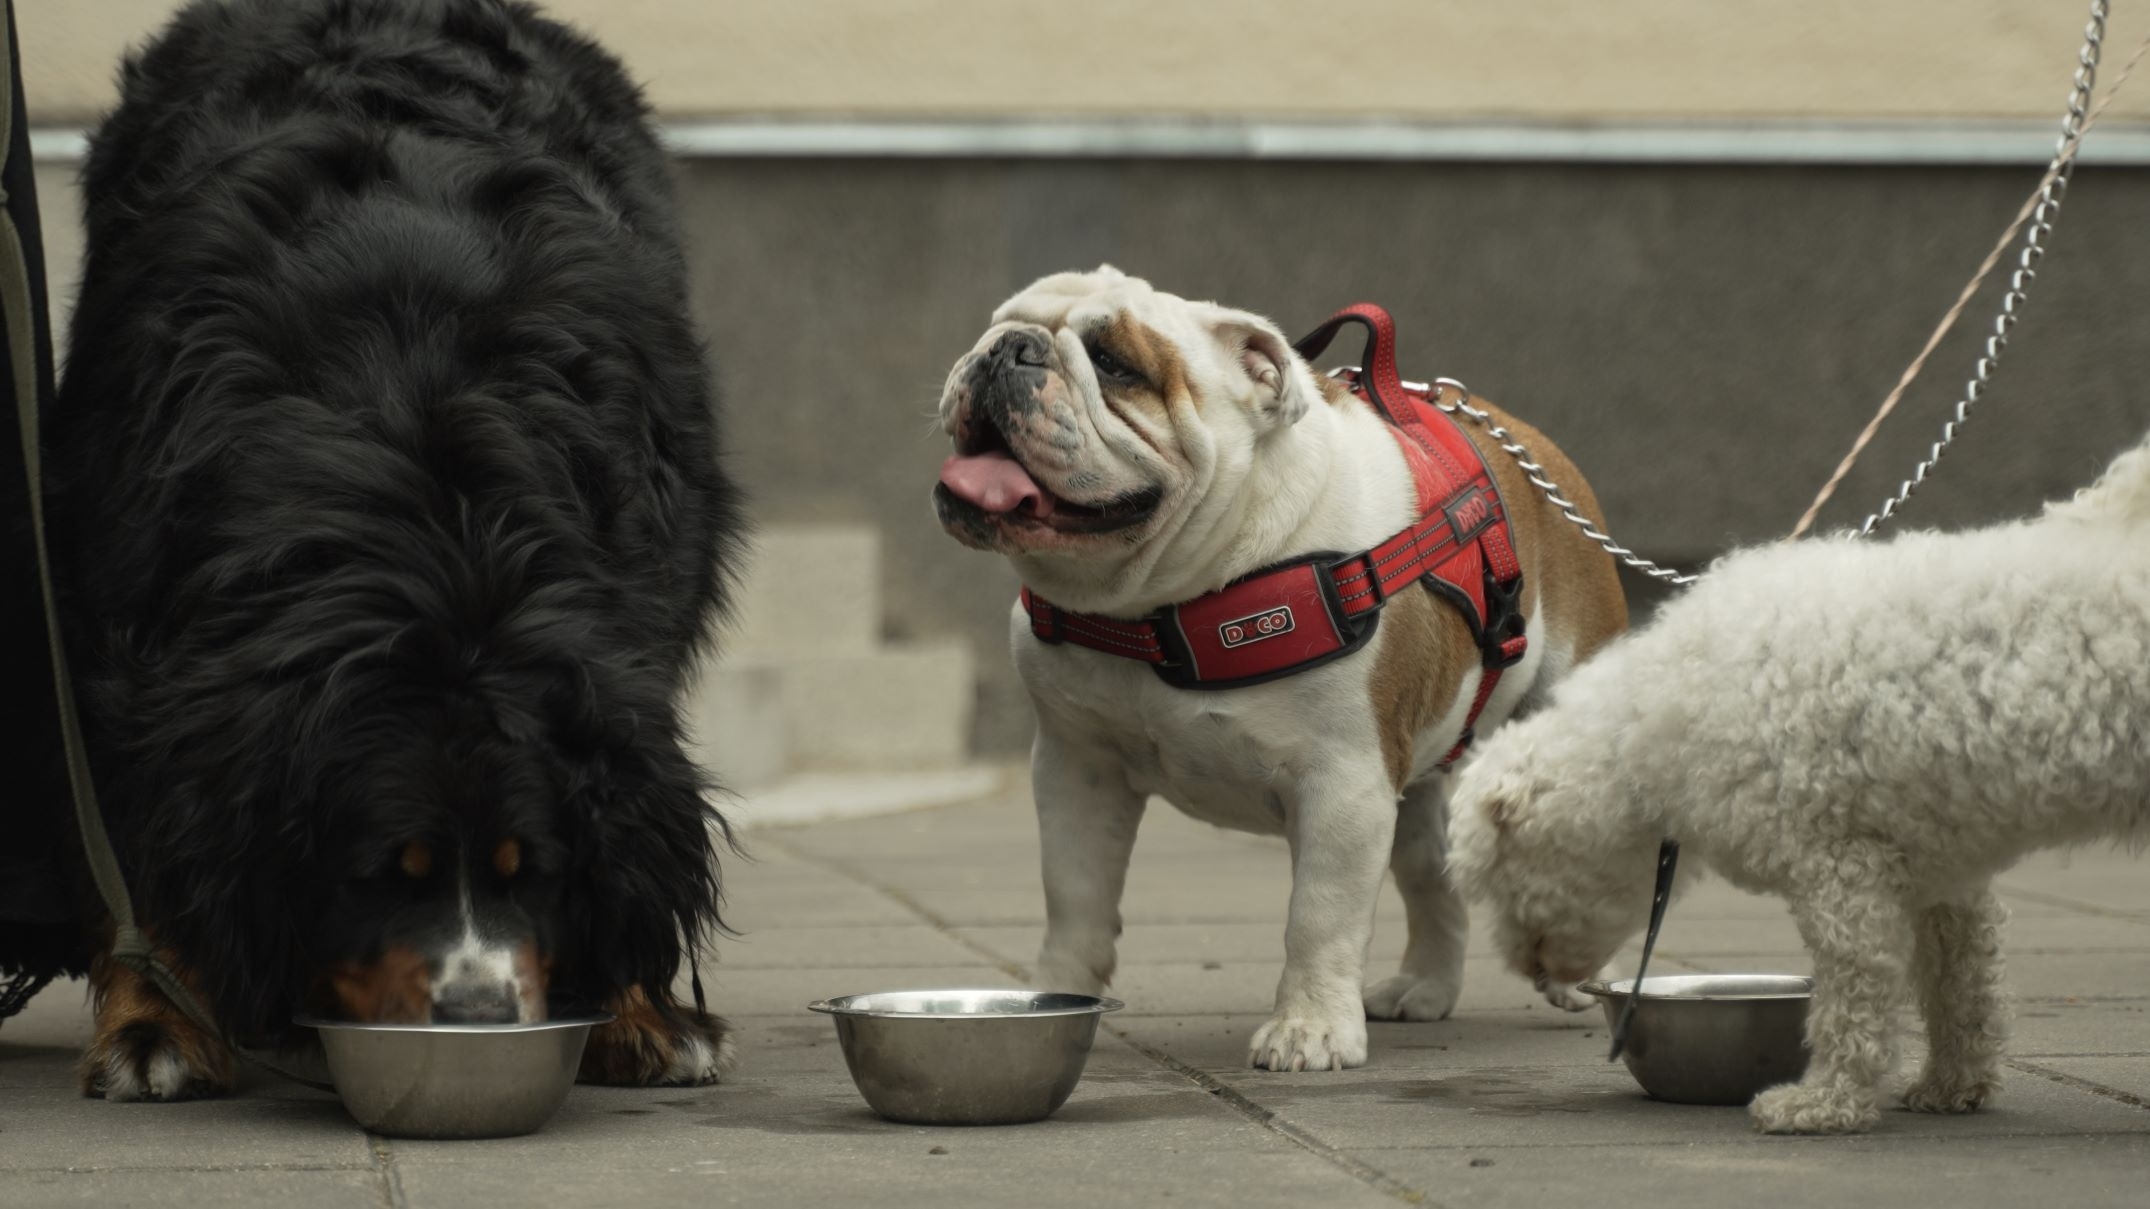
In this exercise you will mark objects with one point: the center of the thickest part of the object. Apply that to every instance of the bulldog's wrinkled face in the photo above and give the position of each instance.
(1095, 412)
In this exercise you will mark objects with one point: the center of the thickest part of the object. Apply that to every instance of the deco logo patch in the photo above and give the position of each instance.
(1469, 513)
(1256, 627)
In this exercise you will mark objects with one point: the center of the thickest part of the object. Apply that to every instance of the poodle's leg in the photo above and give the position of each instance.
(657, 1042)
(1087, 818)
(1860, 937)
(1432, 971)
(145, 1048)
(1340, 822)
(1957, 969)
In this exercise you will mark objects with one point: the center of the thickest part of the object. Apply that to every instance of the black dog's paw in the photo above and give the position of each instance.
(652, 1046)
(155, 1059)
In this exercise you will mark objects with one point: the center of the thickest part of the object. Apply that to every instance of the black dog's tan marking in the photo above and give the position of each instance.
(393, 988)
(644, 1042)
(144, 1046)
(388, 513)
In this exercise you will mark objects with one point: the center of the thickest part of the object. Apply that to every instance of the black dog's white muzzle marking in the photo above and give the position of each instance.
(475, 979)
(1256, 627)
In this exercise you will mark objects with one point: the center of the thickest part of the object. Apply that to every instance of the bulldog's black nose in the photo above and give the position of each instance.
(1022, 347)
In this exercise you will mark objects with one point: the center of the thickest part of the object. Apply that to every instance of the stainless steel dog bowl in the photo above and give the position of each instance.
(1712, 1038)
(964, 1057)
(454, 1080)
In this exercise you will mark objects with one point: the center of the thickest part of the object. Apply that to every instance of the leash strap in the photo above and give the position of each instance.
(17, 992)
(129, 947)
(1668, 859)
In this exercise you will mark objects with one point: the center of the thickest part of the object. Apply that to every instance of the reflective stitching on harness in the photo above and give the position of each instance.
(1423, 552)
(1128, 641)
(1131, 630)
(1422, 556)
(1126, 646)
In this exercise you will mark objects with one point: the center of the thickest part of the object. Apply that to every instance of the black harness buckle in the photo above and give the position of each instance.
(1504, 622)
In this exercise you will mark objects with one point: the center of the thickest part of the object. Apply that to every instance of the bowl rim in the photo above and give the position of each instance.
(1622, 988)
(841, 1005)
(551, 1024)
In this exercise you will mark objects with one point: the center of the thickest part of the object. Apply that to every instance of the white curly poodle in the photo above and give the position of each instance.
(1872, 730)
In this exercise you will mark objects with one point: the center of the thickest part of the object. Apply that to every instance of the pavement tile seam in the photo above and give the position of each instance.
(1269, 1119)
(2085, 1085)
(1225, 1094)
(178, 1168)
(2074, 904)
(1797, 950)
(1759, 1141)
(386, 1175)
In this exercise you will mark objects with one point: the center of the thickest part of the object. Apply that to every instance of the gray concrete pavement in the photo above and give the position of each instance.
(1508, 1103)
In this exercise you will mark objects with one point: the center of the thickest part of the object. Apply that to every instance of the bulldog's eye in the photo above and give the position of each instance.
(1109, 366)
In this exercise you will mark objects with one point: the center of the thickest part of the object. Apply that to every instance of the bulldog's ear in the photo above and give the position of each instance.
(1284, 386)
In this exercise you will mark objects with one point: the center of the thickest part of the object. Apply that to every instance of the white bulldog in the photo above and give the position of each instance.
(1126, 450)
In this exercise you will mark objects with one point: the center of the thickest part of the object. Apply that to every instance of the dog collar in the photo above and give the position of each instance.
(1317, 608)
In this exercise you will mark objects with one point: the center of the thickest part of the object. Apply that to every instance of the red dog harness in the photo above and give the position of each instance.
(1320, 607)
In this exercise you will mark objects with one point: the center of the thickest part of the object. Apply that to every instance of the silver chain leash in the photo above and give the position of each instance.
(1437, 394)
(2041, 225)
(2034, 236)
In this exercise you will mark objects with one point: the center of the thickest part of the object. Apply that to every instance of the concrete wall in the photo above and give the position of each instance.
(1705, 341)
(1558, 59)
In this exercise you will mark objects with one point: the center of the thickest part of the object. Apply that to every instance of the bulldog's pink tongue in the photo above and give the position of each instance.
(995, 482)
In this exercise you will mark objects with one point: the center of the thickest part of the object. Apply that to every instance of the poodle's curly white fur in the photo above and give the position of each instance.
(1873, 730)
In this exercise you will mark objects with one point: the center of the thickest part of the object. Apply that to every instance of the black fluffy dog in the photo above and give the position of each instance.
(386, 494)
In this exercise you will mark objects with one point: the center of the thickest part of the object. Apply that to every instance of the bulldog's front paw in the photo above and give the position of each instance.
(1806, 1108)
(1293, 1041)
(1409, 997)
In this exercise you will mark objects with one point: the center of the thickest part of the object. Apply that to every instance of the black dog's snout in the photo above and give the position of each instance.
(484, 1004)
(1026, 349)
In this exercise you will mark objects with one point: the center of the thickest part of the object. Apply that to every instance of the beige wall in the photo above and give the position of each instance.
(1418, 59)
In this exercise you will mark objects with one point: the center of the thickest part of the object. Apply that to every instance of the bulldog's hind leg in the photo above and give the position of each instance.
(657, 1043)
(1087, 819)
(1340, 827)
(1431, 977)
(145, 1048)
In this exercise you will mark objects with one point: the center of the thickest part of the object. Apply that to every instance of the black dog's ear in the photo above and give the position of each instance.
(643, 891)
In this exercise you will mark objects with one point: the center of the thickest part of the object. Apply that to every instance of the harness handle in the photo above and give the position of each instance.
(1379, 377)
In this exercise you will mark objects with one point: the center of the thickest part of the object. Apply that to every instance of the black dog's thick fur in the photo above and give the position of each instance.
(385, 486)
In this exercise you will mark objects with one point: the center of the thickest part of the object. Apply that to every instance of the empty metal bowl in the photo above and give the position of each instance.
(454, 1080)
(1712, 1038)
(965, 1057)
